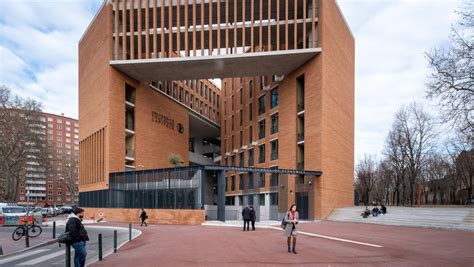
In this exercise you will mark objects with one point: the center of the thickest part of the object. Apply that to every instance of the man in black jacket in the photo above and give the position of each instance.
(246, 216)
(79, 236)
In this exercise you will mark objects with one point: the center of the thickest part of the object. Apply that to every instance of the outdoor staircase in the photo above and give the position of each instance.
(454, 218)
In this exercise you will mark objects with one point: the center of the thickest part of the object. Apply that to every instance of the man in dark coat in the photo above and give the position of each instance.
(143, 216)
(246, 216)
(252, 217)
(79, 236)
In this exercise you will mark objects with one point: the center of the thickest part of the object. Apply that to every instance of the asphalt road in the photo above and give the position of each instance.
(53, 255)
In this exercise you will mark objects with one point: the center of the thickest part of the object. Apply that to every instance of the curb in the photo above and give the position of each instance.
(111, 251)
(49, 242)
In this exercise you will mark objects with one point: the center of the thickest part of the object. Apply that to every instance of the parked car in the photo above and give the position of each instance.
(66, 209)
(46, 212)
(10, 214)
(470, 201)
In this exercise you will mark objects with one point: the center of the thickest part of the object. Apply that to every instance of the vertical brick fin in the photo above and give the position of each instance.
(92, 158)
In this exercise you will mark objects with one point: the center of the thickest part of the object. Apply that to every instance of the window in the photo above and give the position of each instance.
(261, 129)
(250, 185)
(250, 112)
(232, 104)
(261, 105)
(261, 153)
(250, 158)
(232, 118)
(250, 199)
(232, 160)
(60, 133)
(273, 199)
(241, 182)
(261, 180)
(76, 130)
(274, 98)
(60, 127)
(273, 179)
(262, 82)
(227, 184)
(59, 144)
(50, 119)
(59, 121)
(261, 199)
(68, 123)
(68, 129)
(50, 125)
(250, 88)
(274, 150)
(250, 134)
(241, 138)
(230, 201)
(50, 131)
(50, 137)
(241, 159)
(274, 127)
(241, 117)
(232, 183)
(241, 96)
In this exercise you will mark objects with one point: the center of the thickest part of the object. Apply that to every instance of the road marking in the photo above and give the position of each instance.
(23, 255)
(334, 238)
(43, 258)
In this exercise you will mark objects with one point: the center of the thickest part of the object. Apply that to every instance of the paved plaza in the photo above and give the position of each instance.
(322, 244)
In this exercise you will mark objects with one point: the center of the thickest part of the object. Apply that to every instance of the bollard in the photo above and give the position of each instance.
(129, 232)
(27, 236)
(68, 255)
(100, 247)
(115, 241)
(54, 229)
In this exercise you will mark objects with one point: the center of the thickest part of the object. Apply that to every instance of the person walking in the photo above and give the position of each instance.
(252, 217)
(79, 236)
(291, 229)
(143, 216)
(246, 217)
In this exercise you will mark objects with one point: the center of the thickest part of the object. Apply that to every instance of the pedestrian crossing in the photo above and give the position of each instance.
(38, 257)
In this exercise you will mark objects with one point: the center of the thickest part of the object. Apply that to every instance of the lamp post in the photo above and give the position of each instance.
(27, 237)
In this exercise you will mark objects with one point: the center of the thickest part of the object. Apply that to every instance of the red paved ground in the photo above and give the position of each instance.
(172, 245)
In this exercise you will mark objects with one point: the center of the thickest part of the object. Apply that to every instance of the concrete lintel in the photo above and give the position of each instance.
(216, 66)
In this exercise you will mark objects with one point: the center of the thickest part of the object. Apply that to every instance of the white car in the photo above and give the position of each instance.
(12, 211)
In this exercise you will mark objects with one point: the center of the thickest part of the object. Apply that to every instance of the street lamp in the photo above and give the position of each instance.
(27, 237)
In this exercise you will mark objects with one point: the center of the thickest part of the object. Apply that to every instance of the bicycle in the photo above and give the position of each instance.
(20, 231)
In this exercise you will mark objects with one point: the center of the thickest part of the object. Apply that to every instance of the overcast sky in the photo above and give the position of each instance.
(38, 54)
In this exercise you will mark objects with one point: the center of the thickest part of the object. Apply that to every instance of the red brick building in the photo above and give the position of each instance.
(287, 97)
(58, 183)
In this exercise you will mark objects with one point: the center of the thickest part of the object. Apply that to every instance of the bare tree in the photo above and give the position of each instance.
(417, 132)
(436, 172)
(22, 142)
(461, 154)
(452, 80)
(70, 181)
(365, 175)
(396, 158)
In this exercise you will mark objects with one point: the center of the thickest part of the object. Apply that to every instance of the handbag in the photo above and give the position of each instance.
(283, 223)
(64, 238)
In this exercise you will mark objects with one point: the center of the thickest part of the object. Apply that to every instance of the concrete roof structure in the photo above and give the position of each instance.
(217, 66)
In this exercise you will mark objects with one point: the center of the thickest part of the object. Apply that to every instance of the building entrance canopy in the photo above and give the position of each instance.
(216, 66)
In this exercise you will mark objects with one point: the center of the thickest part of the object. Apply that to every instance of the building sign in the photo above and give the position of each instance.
(166, 121)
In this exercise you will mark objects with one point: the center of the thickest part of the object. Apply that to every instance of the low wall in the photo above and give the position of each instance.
(155, 216)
